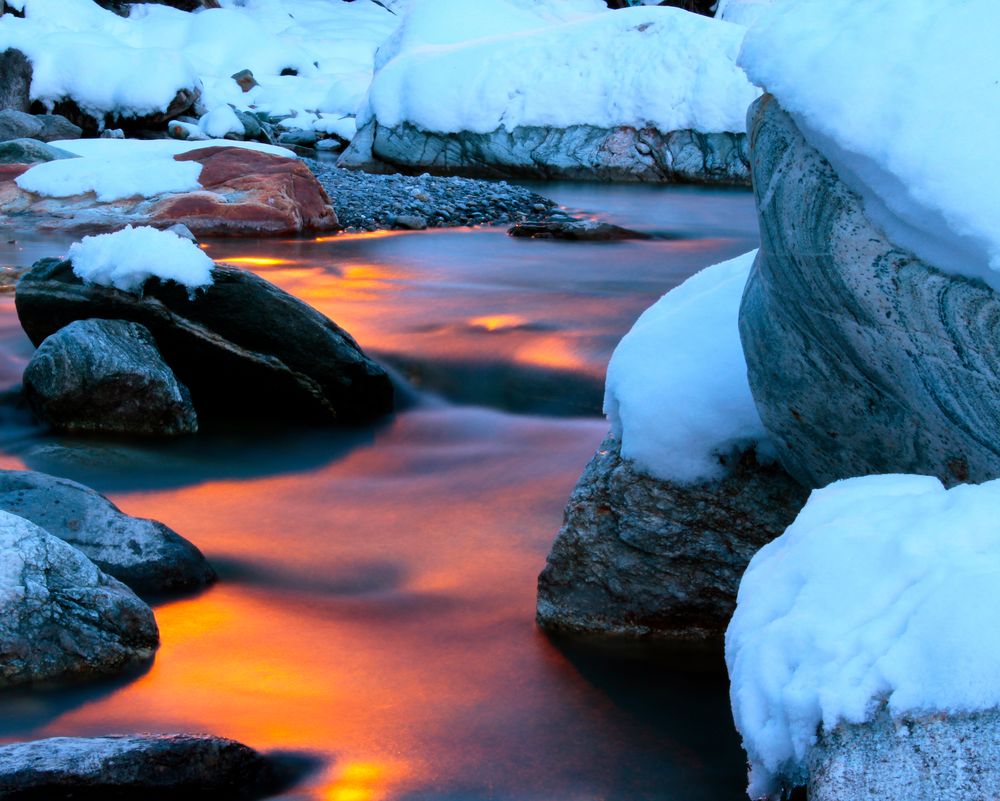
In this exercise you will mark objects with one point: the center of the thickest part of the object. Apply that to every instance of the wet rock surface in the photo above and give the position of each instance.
(862, 358)
(107, 376)
(243, 347)
(144, 554)
(146, 766)
(61, 618)
(638, 556)
(579, 152)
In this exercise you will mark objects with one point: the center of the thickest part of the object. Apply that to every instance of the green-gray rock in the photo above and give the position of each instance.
(30, 151)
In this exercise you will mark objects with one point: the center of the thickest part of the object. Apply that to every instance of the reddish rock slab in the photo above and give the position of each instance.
(245, 193)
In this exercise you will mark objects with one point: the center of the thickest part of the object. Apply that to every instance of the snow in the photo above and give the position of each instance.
(742, 12)
(677, 393)
(126, 259)
(127, 149)
(901, 96)
(883, 590)
(659, 67)
(221, 121)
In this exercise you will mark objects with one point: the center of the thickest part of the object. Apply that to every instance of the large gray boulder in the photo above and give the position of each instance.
(30, 151)
(862, 358)
(932, 758)
(16, 124)
(61, 618)
(107, 376)
(15, 79)
(146, 766)
(144, 554)
(579, 152)
(638, 556)
(55, 127)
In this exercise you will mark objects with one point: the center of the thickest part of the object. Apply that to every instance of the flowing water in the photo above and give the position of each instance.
(376, 599)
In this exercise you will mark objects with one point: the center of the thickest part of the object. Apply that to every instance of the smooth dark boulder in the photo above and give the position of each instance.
(30, 151)
(144, 554)
(861, 357)
(61, 618)
(15, 80)
(243, 347)
(18, 125)
(107, 376)
(137, 766)
(638, 556)
(55, 127)
(574, 231)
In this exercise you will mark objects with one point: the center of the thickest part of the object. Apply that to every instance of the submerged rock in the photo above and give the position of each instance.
(638, 556)
(242, 346)
(61, 618)
(579, 152)
(144, 554)
(147, 766)
(107, 376)
(941, 757)
(861, 357)
(30, 151)
(15, 79)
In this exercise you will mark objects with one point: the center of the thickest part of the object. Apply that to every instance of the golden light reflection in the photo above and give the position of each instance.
(551, 351)
(255, 261)
(346, 237)
(361, 781)
(498, 322)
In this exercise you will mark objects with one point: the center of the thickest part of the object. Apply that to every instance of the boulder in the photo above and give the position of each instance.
(578, 152)
(144, 554)
(61, 618)
(147, 766)
(107, 376)
(244, 193)
(243, 347)
(15, 80)
(18, 125)
(941, 757)
(575, 231)
(638, 556)
(92, 124)
(30, 151)
(55, 127)
(861, 357)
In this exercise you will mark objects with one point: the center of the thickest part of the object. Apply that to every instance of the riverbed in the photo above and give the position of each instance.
(376, 596)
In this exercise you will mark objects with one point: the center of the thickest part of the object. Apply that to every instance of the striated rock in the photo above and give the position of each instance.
(30, 151)
(148, 766)
(61, 618)
(579, 152)
(939, 757)
(637, 556)
(574, 230)
(242, 346)
(862, 358)
(15, 80)
(244, 193)
(107, 376)
(18, 125)
(144, 554)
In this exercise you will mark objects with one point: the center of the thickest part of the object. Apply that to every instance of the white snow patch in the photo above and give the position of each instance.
(128, 149)
(742, 12)
(128, 258)
(902, 97)
(111, 178)
(659, 67)
(221, 121)
(883, 590)
(677, 392)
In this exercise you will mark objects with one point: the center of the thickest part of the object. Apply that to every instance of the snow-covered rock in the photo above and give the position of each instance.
(61, 618)
(862, 358)
(144, 554)
(742, 12)
(880, 596)
(107, 376)
(601, 95)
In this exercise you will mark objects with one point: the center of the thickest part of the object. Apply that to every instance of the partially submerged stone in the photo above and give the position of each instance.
(574, 231)
(107, 376)
(144, 554)
(638, 556)
(61, 618)
(147, 766)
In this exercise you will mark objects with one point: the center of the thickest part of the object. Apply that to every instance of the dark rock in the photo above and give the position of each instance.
(92, 125)
(410, 222)
(243, 347)
(15, 80)
(579, 152)
(30, 151)
(637, 556)
(18, 125)
(147, 766)
(862, 358)
(55, 127)
(245, 80)
(61, 618)
(107, 376)
(144, 554)
(298, 137)
(575, 230)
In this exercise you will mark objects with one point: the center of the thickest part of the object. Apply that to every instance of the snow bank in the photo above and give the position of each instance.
(126, 259)
(884, 589)
(128, 149)
(677, 393)
(658, 67)
(902, 97)
(742, 12)
(220, 122)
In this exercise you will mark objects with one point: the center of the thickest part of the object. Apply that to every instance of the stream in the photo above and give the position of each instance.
(376, 597)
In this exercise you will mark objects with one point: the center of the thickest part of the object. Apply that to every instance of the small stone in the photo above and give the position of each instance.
(112, 133)
(245, 80)
(300, 137)
(410, 222)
